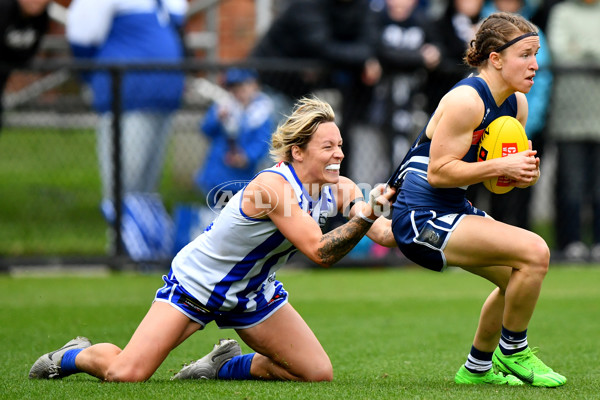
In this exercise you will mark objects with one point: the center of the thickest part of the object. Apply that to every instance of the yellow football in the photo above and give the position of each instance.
(504, 136)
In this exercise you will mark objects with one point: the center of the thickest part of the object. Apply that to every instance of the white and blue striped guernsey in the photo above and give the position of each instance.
(232, 265)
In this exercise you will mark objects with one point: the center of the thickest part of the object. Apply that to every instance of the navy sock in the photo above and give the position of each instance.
(512, 342)
(67, 364)
(237, 368)
(479, 361)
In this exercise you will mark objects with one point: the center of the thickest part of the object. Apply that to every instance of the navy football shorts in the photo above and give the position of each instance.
(422, 235)
(175, 295)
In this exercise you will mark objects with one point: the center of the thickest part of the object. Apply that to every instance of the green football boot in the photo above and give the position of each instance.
(526, 366)
(466, 377)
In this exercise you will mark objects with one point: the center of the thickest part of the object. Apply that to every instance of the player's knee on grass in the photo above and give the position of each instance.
(321, 371)
(127, 373)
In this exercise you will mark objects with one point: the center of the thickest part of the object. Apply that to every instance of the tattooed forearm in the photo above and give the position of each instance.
(338, 242)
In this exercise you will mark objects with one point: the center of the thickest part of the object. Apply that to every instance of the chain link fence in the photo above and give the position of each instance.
(50, 209)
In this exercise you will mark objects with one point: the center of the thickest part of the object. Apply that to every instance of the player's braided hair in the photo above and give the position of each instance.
(496, 30)
(298, 128)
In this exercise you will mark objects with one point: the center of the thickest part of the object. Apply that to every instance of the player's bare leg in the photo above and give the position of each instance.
(526, 256)
(287, 349)
(162, 329)
(492, 312)
(523, 251)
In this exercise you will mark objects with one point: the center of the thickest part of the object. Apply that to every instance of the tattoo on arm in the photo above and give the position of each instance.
(338, 242)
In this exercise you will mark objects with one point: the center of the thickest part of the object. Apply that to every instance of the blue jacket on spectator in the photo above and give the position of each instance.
(255, 125)
(130, 31)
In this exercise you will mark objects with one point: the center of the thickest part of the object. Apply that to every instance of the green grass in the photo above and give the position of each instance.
(50, 193)
(390, 333)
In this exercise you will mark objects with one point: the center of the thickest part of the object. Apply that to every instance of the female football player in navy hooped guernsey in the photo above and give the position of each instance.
(435, 226)
(227, 274)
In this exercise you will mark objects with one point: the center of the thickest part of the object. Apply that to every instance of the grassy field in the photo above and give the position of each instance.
(50, 188)
(390, 333)
(50, 194)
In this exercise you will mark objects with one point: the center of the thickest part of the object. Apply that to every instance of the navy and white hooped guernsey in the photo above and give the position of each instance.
(232, 265)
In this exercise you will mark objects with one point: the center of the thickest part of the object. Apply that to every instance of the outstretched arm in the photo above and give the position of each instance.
(277, 201)
(335, 244)
(350, 201)
(365, 218)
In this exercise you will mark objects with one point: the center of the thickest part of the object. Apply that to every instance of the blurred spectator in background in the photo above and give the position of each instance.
(397, 109)
(129, 32)
(342, 33)
(454, 30)
(574, 124)
(239, 127)
(514, 207)
(542, 11)
(22, 25)
(406, 53)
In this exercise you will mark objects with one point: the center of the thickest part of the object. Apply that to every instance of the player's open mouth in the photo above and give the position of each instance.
(333, 167)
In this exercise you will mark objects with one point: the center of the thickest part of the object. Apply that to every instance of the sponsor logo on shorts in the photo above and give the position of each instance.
(193, 304)
(275, 298)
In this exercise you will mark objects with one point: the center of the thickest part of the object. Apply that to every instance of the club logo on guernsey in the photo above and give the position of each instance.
(322, 218)
(477, 136)
(483, 154)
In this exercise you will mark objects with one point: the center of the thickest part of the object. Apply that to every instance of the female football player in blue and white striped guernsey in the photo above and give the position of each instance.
(227, 274)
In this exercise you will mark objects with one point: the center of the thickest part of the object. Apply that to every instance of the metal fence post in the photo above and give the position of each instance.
(117, 110)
